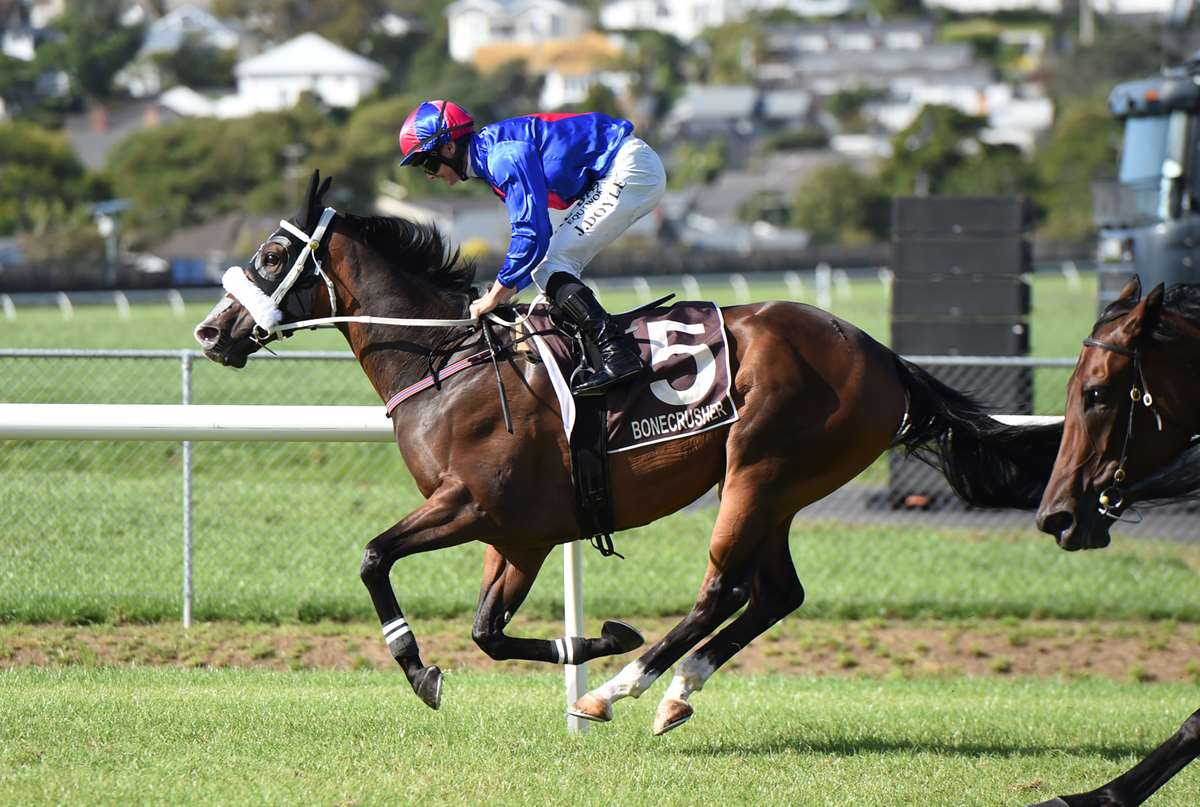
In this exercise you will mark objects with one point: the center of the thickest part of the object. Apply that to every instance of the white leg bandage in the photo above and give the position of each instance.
(689, 677)
(633, 680)
(266, 314)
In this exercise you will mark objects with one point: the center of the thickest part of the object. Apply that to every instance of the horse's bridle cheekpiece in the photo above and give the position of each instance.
(1111, 499)
(266, 310)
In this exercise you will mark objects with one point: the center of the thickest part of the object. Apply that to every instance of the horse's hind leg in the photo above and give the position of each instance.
(732, 558)
(446, 519)
(774, 593)
(1141, 781)
(508, 574)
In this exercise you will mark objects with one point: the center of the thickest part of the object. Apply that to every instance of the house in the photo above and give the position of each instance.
(569, 67)
(570, 84)
(1012, 119)
(18, 39)
(686, 19)
(683, 19)
(166, 35)
(278, 77)
(706, 111)
(476, 23)
(92, 144)
(783, 109)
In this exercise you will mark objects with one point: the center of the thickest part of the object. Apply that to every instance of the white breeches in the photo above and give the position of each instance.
(631, 189)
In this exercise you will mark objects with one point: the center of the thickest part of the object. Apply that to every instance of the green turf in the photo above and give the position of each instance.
(107, 736)
(93, 530)
(286, 545)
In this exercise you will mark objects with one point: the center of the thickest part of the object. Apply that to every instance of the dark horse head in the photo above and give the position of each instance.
(1133, 408)
(319, 264)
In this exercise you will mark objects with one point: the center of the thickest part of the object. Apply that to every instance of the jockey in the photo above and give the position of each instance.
(536, 162)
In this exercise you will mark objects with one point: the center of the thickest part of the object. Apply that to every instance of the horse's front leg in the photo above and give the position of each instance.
(448, 518)
(508, 574)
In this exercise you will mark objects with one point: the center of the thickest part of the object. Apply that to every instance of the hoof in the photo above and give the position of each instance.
(428, 686)
(623, 637)
(1054, 802)
(671, 713)
(589, 707)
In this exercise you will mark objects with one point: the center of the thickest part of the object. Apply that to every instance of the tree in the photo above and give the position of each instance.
(1120, 53)
(197, 64)
(837, 204)
(697, 164)
(726, 53)
(42, 182)
(929, 149)
(1082, 148)
(191, 171)
(347, 22)
(600, 98)
(95, 45)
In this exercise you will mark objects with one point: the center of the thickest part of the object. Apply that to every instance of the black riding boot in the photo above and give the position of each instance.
(613, 358)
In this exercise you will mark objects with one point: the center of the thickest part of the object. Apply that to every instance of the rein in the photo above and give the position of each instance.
(268, 316)
(1111, 498)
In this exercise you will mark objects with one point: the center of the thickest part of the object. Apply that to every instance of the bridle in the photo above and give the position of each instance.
(1111, 499)
(266, 309)
(268, 315)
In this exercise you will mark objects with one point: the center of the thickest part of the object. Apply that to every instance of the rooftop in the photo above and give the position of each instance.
(306, 55)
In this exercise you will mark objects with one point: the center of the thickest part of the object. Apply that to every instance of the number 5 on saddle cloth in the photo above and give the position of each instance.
(686, 392)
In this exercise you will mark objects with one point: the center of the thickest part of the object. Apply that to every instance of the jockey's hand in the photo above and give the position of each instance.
(495, 296)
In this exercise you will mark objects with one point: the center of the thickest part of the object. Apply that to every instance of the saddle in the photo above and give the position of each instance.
(686, 392)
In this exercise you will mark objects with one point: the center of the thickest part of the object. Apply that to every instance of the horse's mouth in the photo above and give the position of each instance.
(1075, 539)
(1078, 526)
(223, 351)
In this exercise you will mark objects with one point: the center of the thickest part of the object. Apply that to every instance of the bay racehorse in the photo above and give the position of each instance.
(818, 399)
(1130, 435)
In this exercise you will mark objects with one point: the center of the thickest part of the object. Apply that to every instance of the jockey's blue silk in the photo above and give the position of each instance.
(540, 161)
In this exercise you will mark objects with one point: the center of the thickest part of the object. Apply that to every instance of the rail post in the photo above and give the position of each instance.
(576, 674)
(185, 363)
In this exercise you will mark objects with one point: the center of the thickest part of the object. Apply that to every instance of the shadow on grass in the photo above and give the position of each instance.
(880, 745)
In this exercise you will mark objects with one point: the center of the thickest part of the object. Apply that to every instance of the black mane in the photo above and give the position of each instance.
(1182, 299)
(418, 249)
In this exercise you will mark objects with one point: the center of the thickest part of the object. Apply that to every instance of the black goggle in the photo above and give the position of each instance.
(429, 163)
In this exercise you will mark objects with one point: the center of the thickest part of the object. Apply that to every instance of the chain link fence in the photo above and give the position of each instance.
(93, 530)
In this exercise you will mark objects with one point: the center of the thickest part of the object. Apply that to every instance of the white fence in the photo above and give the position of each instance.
(186, 423)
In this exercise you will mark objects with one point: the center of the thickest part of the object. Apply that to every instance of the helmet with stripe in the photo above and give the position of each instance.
(430, 125)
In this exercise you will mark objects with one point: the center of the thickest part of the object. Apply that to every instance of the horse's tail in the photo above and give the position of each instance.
(988, 463)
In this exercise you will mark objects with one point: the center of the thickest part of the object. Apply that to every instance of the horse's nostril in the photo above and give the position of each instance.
(207, 336)
(1056, 523)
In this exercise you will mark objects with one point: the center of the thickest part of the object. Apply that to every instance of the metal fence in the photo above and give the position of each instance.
(92, 530)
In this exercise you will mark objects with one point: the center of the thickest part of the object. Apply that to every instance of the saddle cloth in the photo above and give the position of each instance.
(686, 391)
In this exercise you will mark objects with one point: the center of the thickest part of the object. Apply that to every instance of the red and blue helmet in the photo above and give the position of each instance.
(430, 125)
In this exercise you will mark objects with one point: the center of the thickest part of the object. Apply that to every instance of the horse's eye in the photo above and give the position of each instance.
(1094, 397)
(271, 259)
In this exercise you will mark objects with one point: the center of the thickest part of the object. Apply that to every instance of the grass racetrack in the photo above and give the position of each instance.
(832, 707)
(156, 736)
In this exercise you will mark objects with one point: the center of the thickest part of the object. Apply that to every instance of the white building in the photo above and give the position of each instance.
(475, 23)
(686, 19)
(563, 86)
(1011, 119)
(683, 19)
(309, 63)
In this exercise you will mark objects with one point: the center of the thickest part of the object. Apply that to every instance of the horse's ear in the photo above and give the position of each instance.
(1144, 318)
(319, 199)
(310, 195)
(1132, 290)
